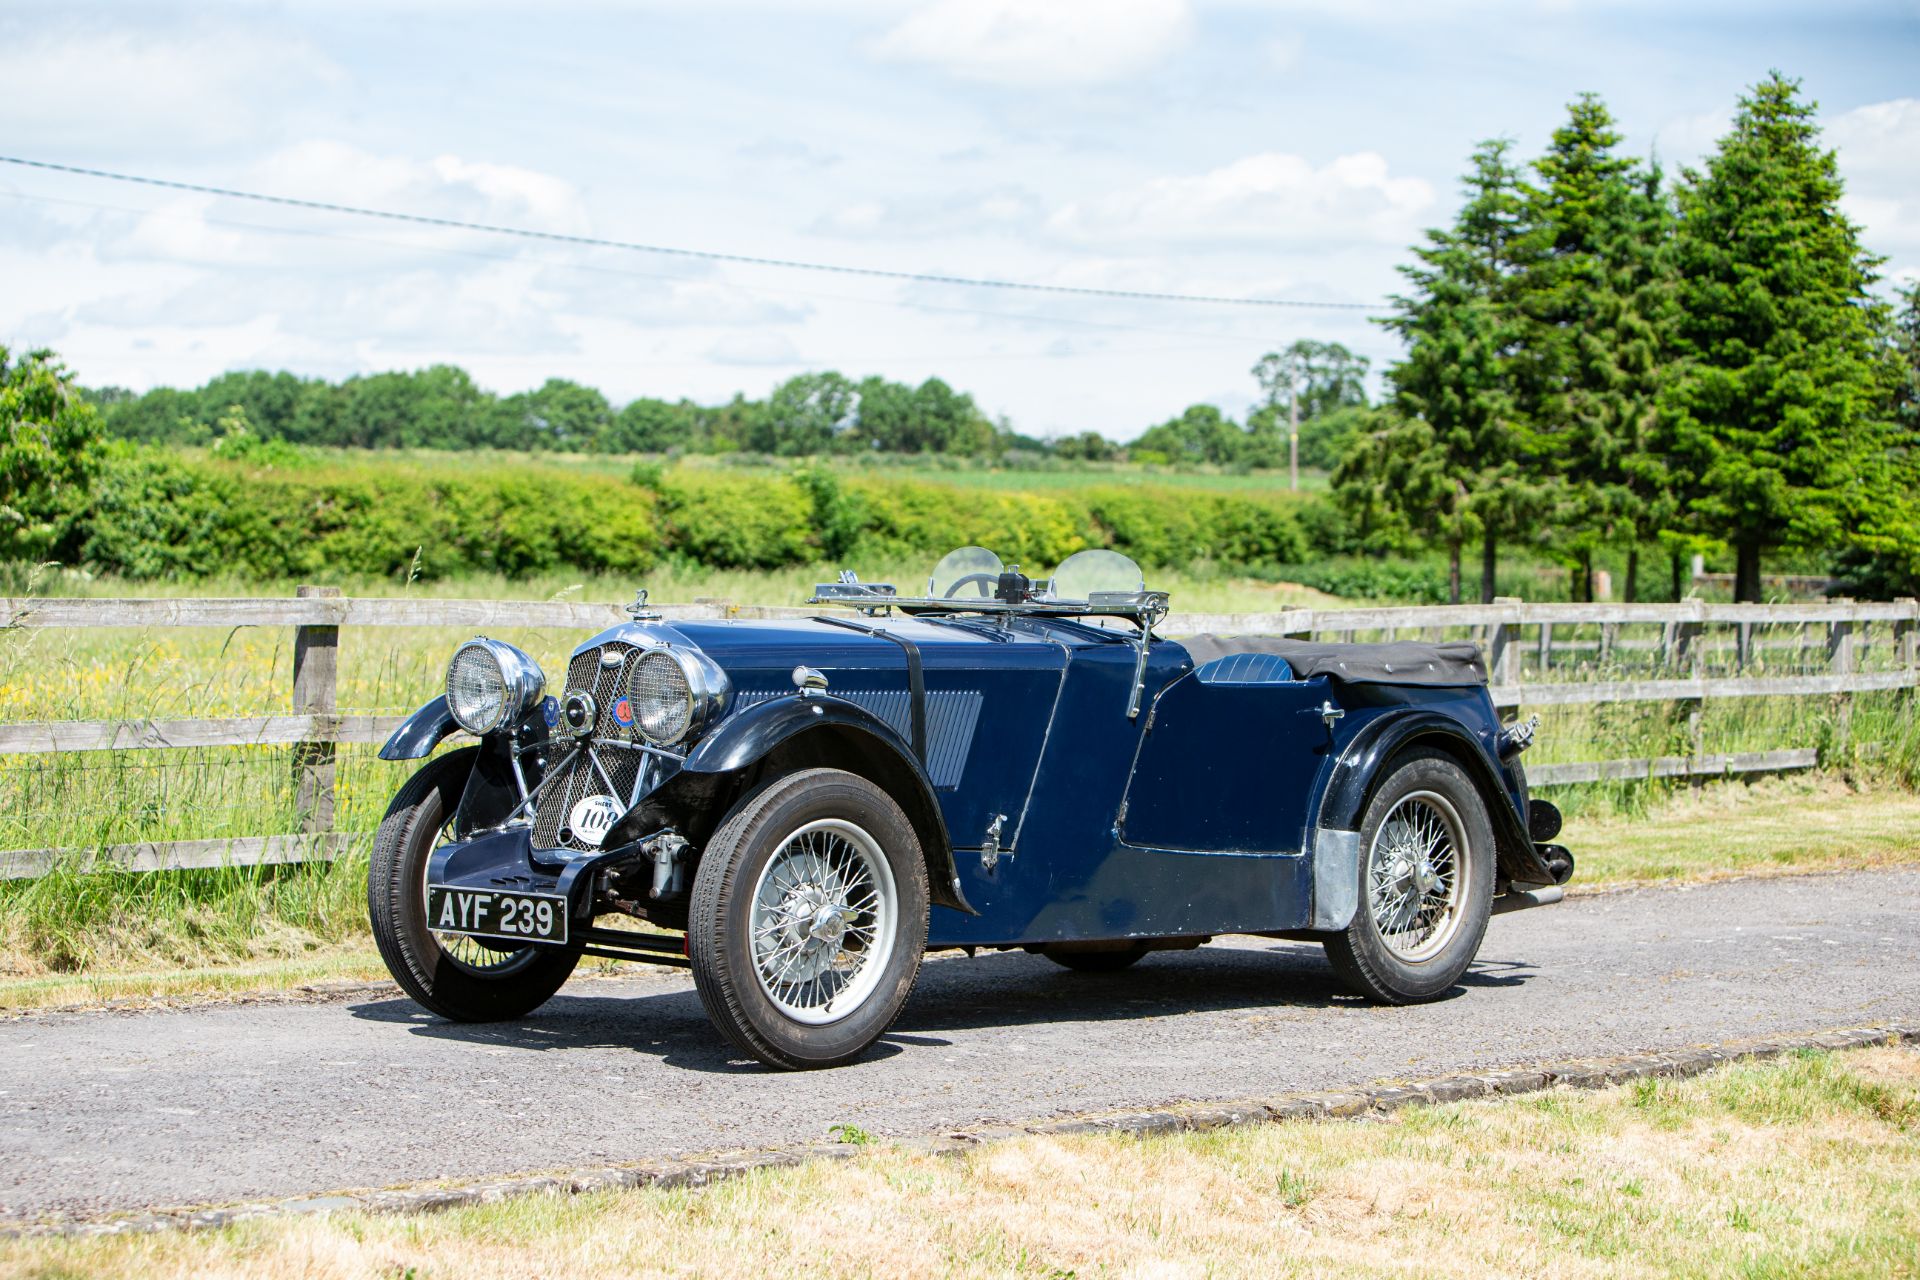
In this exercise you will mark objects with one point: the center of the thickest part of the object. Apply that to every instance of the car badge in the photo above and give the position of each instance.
(592, 818)
(623, 712)
(611, 657)
(550, 709)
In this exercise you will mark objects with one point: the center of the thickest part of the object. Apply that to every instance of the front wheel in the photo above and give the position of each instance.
(1426, 884)
(455, 976)
(808, 919)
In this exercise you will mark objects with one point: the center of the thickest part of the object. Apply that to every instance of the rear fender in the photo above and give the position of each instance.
(1374, 747)
(797, 732)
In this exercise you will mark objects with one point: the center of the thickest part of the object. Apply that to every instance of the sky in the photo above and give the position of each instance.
(1289, 149)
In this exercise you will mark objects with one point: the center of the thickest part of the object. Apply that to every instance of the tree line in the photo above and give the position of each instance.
(443, 408)
(811, 414)
(1597, 357)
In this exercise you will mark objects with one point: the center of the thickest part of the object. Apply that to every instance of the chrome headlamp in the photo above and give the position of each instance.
(491, 684)
(675, 694)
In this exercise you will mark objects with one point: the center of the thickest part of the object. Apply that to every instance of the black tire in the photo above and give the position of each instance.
(719, 929)
(1428, 783)
(507, 983)
(1102, 961)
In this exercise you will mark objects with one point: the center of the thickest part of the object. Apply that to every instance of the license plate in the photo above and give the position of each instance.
(491, 913)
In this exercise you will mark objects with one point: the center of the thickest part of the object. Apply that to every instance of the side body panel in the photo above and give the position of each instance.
(1222, 786)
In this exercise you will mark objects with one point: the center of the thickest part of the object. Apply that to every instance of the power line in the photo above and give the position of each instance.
(668, 251)
(1213, 338)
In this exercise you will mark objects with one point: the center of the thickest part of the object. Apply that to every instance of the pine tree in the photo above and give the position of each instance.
(1593, 301)
(1458, 376)
(1776, 414)
(1882, 556)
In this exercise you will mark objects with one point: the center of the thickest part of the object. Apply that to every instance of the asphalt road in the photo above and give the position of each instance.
(113, 1111)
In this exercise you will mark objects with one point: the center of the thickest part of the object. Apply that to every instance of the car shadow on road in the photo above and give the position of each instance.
(991, 990)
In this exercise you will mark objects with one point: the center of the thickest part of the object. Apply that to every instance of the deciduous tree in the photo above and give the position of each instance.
(49, 455)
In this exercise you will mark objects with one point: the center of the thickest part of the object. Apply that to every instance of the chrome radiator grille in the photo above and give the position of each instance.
(582, 778)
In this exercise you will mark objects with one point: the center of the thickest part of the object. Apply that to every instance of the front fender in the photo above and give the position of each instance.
(1343, 805)
(749, 736)
(819, 728)
(420, 732)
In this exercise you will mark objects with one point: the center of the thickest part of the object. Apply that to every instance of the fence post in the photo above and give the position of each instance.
(316, 669)
(1500, 646)
(1546, 646)
(1840, 661)
(1682, 649)
(1906, 636)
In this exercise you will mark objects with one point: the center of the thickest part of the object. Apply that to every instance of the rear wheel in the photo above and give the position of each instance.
(1426, 884)
(808, 919)
(455, 976)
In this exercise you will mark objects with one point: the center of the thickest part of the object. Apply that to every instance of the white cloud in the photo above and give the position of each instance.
(83, 86)
(755, 347)
(1686, 141)
(446, 186)
(949, 214)
(1271, 197)
(1878, 141)
(1877, 145)
(1038, 42)
(1284, 52)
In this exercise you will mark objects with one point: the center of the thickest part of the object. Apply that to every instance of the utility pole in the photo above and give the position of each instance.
(1293, 433)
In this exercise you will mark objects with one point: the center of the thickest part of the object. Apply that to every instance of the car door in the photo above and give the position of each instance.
(1230, 760)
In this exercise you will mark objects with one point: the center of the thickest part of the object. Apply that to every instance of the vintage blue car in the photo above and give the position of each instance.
(801, 809)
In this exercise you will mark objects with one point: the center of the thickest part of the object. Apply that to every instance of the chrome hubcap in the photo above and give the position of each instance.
(1416, 874)
(823, 921)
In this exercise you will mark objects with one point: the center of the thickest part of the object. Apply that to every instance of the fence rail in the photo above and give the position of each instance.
(315, 728)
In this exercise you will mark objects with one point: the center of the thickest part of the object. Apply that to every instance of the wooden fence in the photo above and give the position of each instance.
(1699, 651)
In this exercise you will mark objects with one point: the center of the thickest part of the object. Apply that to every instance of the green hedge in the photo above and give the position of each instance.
(161, 515)
(177, 514)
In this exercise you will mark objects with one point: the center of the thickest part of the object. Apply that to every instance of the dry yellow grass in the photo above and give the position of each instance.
(1785, 825)
(1806, 1166)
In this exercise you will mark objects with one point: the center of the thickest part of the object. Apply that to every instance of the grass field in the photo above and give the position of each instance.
(1804, 1166)
(938, 469)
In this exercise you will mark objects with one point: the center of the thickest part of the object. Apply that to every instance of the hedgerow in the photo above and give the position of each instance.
(167, 513)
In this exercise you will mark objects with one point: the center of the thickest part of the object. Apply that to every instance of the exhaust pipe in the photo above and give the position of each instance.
(1521, 899)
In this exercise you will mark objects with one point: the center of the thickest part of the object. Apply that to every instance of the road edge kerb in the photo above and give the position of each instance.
(1330, 1104)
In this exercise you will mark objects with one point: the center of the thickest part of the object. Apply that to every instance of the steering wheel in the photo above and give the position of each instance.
(987, 582)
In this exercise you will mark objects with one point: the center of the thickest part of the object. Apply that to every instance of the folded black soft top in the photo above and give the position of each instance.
(1402, 662)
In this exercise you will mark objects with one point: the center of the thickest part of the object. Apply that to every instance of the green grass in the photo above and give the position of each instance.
(1803, 1166)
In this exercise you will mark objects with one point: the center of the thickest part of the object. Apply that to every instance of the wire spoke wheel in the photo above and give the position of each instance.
(822, 921)
(1415, 877)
